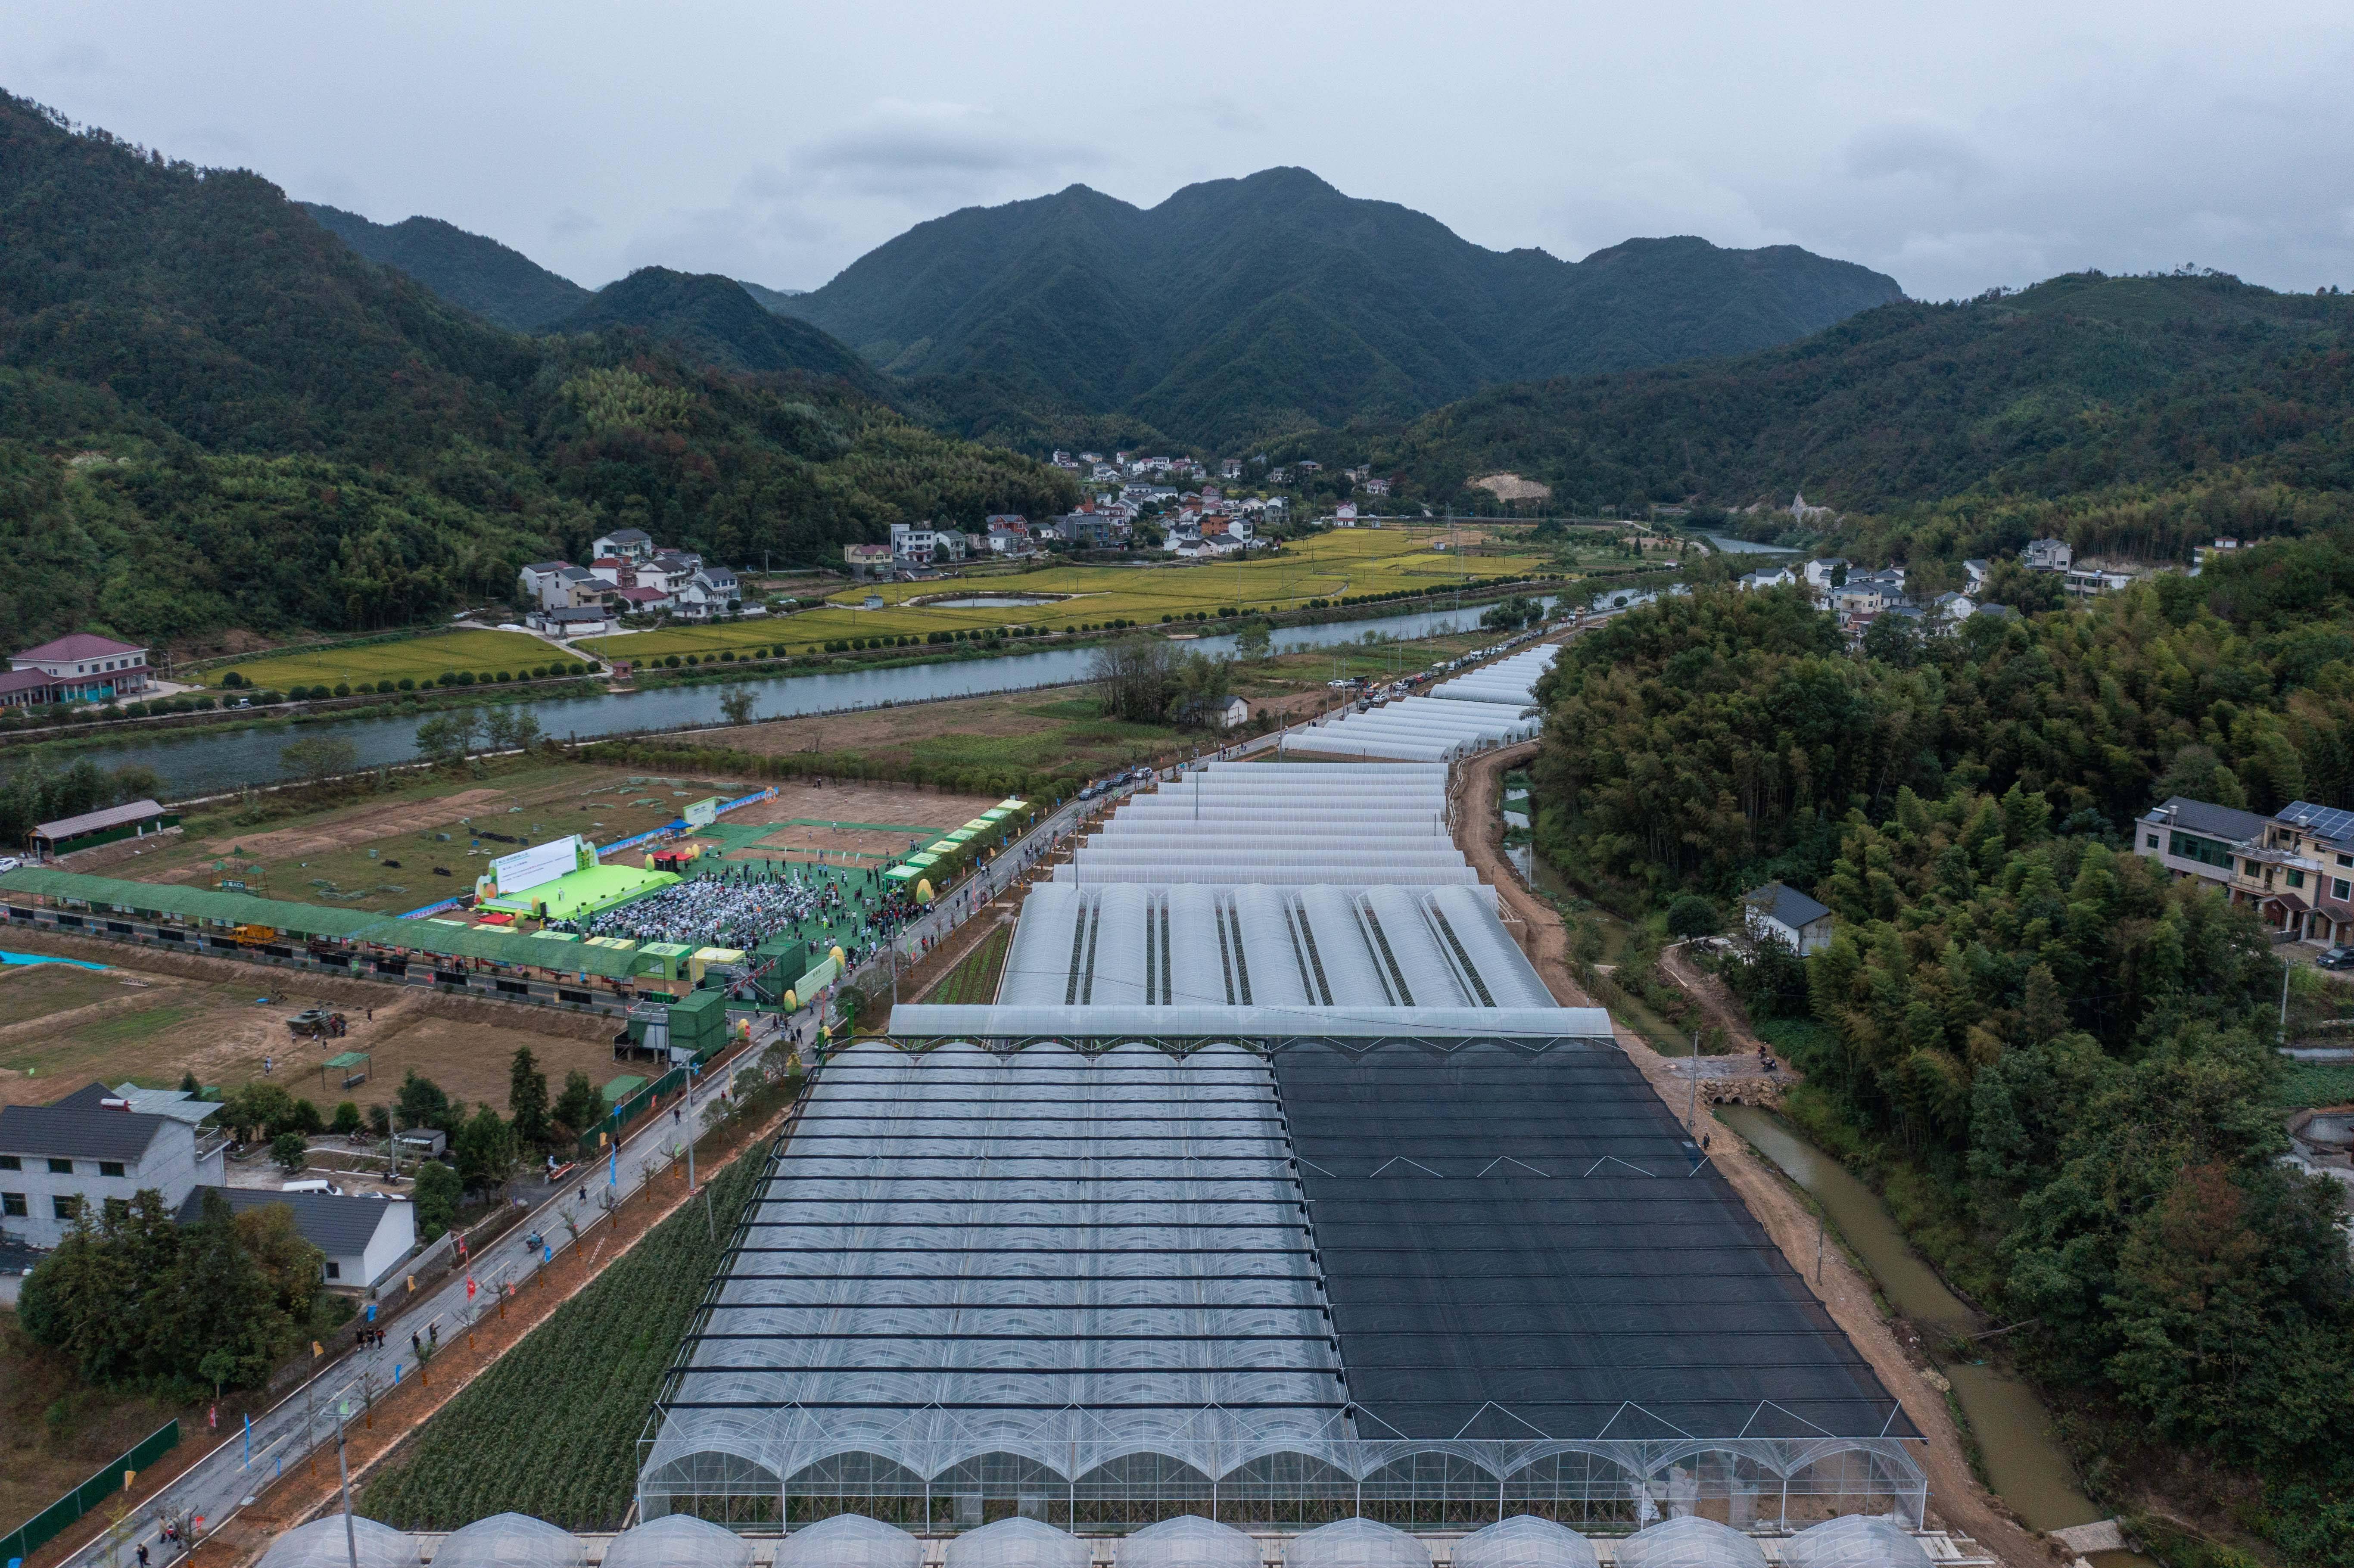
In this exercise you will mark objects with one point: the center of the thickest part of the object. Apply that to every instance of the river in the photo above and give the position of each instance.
(2024, 1465)
(215, 761)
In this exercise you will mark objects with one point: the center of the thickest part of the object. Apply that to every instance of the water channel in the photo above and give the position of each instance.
(211, 762)
(2024, 1465)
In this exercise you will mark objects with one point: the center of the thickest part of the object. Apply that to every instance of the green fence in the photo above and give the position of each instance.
(629, 1111)
(54, 1520)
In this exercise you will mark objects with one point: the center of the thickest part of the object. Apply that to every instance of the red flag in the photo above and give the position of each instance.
(469, 1288)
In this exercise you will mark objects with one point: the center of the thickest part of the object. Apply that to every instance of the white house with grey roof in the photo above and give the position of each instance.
(1779, 913)
(95, 1145)
(363, 1238)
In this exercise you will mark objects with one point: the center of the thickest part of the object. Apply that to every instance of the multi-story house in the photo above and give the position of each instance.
(630, 544)
(86, 667)
(2327, 835)
(99, 1145)
(2276, 866)
(2046, 555)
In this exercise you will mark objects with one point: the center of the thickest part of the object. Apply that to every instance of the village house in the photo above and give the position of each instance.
(2276, 865)
(1781, 913)
(81, 668)
(630, 544)
(97, 1145)
(2046, 555)
(361, 1239)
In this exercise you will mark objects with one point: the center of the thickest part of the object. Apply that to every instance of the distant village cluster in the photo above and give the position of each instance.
(1859, 596)
(628, 574)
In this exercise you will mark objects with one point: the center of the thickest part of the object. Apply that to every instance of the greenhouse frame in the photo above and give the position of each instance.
(1274, 1189)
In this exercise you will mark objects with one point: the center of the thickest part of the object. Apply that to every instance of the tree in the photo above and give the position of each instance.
(1893, 640)
(1693, 915)
(347, 1123)
(261, 1108)
(295, 1268)
(316, 758)
(486, 1148)
(579, 1107)
(1512, 614)
(220, 1306)
(510, 729)
(421, 1103)
(289, 1151)
(437, 1195)
(1131, 678)
(527, 1098)
(1198, 686)
(1251, 644)
(446, 739)
(735, 703)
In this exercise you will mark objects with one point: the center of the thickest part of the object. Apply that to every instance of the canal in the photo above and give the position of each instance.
(214, 762)
(2022, 1464)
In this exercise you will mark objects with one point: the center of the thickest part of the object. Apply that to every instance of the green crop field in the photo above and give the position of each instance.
(419, 659)
(1342, 562)
(551, 1430)
(974, 979)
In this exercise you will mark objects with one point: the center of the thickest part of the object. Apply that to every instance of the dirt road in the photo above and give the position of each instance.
(1957, 1502)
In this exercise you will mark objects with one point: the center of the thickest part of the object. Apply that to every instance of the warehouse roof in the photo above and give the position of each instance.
(190, 902)
(99, 821)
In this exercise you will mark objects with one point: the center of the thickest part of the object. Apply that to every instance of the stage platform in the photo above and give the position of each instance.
(580, 893)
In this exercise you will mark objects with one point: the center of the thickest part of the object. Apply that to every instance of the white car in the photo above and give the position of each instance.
(9, 863)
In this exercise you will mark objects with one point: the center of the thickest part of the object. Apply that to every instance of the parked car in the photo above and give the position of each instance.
(2336, 958)
(9, 863)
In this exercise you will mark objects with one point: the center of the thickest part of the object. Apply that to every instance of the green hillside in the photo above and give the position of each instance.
(213, 413)
(711, 320)
(469, 270)
(1241, 309)
(2169, 404)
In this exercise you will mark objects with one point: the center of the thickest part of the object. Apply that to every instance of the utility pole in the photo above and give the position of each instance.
(343, 1478)
(1693, 1116)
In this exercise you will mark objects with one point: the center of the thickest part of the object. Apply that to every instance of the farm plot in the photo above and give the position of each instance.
(551, 1430)
(420, 660)
(1342, 563)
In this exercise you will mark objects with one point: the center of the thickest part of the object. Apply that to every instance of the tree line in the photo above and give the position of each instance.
(2058, 1061)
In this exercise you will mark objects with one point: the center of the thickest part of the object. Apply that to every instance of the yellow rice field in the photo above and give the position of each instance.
(1329, 566)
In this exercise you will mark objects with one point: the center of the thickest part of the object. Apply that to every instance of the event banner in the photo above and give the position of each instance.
(527, 869)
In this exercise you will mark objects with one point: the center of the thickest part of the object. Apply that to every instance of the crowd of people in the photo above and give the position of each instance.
(742, 904)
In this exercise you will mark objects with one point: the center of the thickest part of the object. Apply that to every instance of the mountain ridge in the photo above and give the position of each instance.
(471, 271)
(1239, 308)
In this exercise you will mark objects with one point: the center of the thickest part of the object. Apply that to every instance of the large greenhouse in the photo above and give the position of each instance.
(1184, 1541)
(1274, 1190)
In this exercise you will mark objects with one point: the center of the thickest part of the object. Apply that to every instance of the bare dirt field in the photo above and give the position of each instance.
(422, 844)
(149, 1018)
(812, 820)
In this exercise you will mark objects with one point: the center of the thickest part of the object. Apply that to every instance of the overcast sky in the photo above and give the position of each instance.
(1954, 147)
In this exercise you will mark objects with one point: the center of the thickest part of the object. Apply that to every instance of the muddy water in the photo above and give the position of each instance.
(2027, 1469)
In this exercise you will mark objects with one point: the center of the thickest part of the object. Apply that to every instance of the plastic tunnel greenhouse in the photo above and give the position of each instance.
(1527, 1541)
(680, 1540)
(849, 1541)
(1690, 1541)
(1188, 1541)
(322, 1543)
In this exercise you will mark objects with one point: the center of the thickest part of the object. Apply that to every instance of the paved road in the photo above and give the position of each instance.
(215, 1486)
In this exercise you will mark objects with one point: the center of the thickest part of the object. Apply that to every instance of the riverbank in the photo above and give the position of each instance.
(690, 673)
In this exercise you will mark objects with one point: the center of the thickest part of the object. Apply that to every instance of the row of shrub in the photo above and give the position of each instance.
(558, 670)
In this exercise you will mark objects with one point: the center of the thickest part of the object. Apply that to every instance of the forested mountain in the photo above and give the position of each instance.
(1241, 308)
(711, 320)
(772, 298)
(212, 412)
(2133, 396)
(469, 270)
